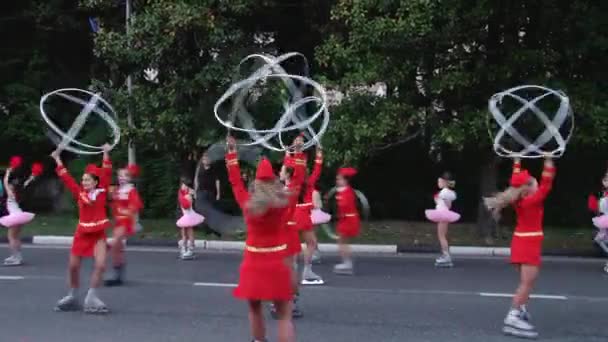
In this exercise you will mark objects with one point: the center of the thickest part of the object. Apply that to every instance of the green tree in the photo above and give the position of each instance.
(441, 61)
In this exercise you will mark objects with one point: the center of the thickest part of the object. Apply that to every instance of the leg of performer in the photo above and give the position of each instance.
(285, 324)
(14, 240)
(70, 301)
(346, 267)
(295, 283)
(308, 276)
(191, 241)
(183, 243)
(445, 258)
(92, 303)
(517, 321)
(256, 321)
(118, 258)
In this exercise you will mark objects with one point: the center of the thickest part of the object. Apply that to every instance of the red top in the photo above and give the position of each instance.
(304, 208)
(593, 202)
(126, 202)
(269, 229)
(182, 197)
(530, 209)
(347, 203)
(91, 205)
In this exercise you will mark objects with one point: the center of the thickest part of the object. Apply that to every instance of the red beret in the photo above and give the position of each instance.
(133, 170)
(347, 172)
(264, 171)
(92, 169)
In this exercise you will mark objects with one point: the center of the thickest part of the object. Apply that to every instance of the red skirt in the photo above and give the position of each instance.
(127, 222)
(294, 245)
(349, 227)
(302, 218)
(264, 277)
(84, 243)
(526, 250)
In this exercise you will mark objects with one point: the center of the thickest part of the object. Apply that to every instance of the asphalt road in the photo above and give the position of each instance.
(390, 299)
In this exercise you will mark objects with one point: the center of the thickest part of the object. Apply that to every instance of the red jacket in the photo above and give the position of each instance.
(530, 209)
(182, 197)
(301, 218)
(92, 205)
(126, 202)
(266, 232)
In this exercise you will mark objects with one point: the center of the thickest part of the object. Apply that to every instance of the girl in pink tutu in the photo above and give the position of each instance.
(16, 217)
(188, 221)
(443, 216)
(598, 204)
(318, 217)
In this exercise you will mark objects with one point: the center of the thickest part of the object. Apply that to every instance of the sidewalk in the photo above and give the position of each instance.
(218, 245)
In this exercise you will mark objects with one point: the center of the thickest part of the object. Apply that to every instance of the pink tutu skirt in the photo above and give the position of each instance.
(16, 219)
(318, 216)
(601, 222)
(190, 219)
(441, 215)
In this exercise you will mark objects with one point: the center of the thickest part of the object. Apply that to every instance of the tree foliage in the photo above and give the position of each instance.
(445, 59)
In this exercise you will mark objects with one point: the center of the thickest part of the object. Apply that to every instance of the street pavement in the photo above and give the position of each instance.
(397, 298)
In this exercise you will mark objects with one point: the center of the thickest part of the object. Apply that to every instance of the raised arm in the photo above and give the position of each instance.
(516, 165)
(316, 170)
(546, 182)
(234, 174)
(65, 176)
(106, 166)
(7, 175)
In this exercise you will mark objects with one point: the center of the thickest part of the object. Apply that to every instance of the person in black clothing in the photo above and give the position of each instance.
(209, 181)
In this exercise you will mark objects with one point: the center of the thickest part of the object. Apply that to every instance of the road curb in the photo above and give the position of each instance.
(218, 245)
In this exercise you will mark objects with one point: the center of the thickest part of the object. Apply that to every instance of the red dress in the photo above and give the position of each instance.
(93, 220)
(349, 222)
(126, 203)
(263, 274)
(301, 218)
(526, 246)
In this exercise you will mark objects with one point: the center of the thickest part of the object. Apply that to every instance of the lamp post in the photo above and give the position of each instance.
(131, 148)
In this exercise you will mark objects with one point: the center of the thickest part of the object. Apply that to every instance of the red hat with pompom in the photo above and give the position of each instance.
(92, 169)
(264, 171)
(521, 178)
(133, 170)
(15, 162)
(37, 169)
(347, 172)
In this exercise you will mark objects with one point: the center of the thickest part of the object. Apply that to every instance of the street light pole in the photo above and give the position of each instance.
(131, 147)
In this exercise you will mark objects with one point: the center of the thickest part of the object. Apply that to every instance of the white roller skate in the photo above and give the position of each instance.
(311, 278)
(67, 303)
(13, 260)
(517, 324)
(94, 305)
(345, 268)
(444, 260)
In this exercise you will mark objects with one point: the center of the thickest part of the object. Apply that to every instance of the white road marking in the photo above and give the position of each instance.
(509, 295)
(215, 284)
(11, 278)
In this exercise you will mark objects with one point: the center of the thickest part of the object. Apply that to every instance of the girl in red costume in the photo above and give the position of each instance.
(264, 275)
(528, 198)
(90, 237)
(349, 222)
(126, 205)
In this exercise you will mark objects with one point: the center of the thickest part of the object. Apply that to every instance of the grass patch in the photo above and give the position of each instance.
(406, 233)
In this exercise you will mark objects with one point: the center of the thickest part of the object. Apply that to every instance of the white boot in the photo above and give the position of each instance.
(517, 325)
(94, 305)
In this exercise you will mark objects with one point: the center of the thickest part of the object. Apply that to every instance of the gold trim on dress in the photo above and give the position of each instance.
(528, 234)
(93, 224)
(266, 249)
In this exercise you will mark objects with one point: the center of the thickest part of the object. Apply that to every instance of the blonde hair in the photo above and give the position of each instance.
(501, 200)
(266, 195)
